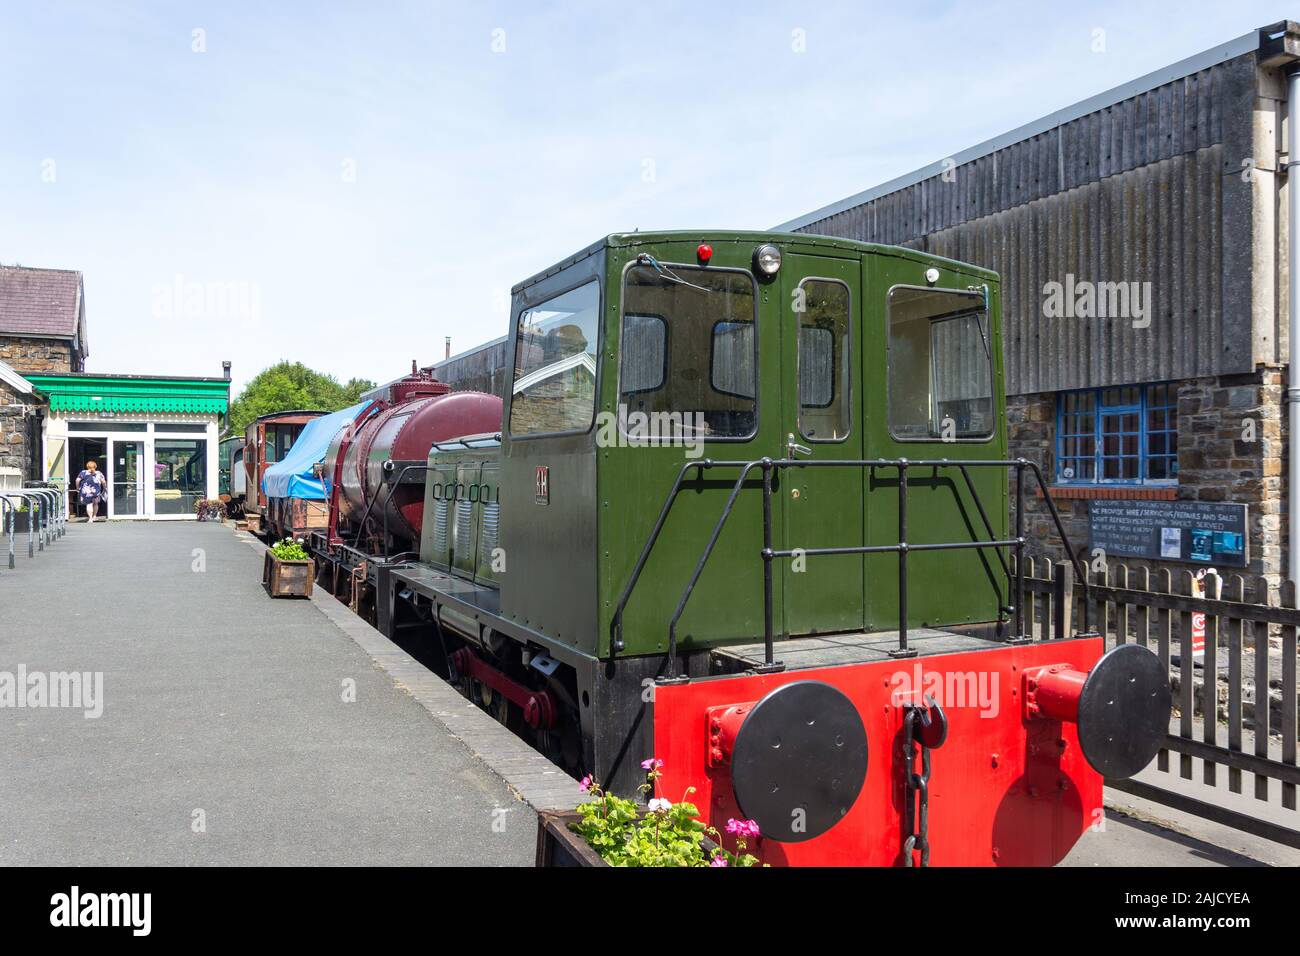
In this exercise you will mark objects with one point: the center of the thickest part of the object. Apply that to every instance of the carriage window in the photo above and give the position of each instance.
(824, 356)
(555, 364)
(645, 340)
(940, 365)
(695, 368)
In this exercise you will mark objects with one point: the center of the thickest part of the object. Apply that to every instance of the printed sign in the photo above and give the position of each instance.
(1197, 532)
(1198, 617)
(1171, 543)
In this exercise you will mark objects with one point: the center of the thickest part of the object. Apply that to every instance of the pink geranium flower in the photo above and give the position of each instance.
(719, 861)
(585, 783)
(742, 828)
(653, 763)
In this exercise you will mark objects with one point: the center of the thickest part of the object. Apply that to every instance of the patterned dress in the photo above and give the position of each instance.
(90, 485)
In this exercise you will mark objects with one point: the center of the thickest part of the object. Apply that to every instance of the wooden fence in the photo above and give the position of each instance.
(1243, 688)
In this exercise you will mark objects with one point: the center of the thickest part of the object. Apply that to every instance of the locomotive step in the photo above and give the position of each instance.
(827, 650)
(432, 583)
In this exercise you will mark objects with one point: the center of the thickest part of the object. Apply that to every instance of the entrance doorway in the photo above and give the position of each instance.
(82, 450)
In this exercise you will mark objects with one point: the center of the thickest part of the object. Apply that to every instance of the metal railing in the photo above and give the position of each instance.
(7, 511)
(903, 466)
(47, 518)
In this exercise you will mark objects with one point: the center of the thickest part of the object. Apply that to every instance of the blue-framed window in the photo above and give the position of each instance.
(1126, 435)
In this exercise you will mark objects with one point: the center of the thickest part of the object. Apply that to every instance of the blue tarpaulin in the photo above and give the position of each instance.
(295, 477)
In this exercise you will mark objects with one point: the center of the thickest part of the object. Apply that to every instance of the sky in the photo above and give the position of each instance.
(347, 183)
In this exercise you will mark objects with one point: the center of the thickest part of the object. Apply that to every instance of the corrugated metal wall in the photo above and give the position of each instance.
(1146, 190)
(482, 369)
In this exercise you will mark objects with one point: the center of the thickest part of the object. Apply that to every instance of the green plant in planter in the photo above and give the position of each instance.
(667, 834)
(290, 549)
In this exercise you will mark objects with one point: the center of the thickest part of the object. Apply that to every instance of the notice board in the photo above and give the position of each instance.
(1198, 532)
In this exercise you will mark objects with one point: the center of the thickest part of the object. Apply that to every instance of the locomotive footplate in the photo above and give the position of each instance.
(828, 650)
(438, 585)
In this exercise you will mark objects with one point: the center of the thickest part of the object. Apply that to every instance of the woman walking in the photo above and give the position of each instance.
(91, 488)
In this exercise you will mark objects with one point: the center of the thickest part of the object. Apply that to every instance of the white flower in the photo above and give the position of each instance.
(659, 804)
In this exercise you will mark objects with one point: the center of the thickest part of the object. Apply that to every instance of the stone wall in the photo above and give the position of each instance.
(27, 355)
(1230, 449)
(15, 447)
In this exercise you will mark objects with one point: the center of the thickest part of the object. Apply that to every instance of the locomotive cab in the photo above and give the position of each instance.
(654, 351)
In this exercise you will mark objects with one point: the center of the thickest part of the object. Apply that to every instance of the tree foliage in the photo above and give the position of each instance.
(289, 386)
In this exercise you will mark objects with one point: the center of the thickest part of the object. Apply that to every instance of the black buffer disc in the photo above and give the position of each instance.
(1124, 711)
(799, 761)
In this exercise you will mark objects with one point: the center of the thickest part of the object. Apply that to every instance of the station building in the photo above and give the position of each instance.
(1142, 239)
(155, 438)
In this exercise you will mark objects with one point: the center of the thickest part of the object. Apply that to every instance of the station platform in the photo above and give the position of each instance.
(224, 736)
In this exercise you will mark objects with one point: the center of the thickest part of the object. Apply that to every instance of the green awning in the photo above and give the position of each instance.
(133, 393)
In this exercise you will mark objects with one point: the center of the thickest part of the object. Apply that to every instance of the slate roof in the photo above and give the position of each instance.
(40, 302)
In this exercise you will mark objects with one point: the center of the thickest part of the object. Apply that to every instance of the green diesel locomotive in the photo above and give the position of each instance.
(649, 357)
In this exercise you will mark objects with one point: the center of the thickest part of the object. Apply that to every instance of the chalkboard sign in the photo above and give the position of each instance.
(1199, 532)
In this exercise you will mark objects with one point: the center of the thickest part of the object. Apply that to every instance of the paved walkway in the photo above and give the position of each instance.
(224, 737)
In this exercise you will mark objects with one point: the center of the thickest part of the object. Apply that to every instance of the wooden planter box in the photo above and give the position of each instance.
(287, 578)
(557, 845)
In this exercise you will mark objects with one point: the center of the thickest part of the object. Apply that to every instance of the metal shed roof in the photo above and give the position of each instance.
(1245, 43)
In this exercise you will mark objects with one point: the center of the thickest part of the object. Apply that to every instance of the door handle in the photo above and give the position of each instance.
(793, 448)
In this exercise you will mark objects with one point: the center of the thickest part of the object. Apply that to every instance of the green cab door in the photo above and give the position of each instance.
(938, 398)
(820, 507)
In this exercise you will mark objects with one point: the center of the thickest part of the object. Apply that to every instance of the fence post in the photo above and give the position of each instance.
(1261, 631)
(1186, 672)
(1120, 577)
(1031, 602)
(1210, 680)
(1288, 693)
(1062, 599)
(1164, 636)
(1234, 591)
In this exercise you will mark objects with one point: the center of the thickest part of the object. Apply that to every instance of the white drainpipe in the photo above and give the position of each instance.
(1293, 340)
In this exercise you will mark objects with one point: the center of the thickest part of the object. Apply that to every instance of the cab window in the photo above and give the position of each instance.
(690, 351)
(270, 448)
(555, 364)
(824, 356)
(940, 365)
(643, 367)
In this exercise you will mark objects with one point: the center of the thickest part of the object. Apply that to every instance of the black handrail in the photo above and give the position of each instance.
(616, 624)
(988, 526)
(388, 499)
(746, 468)
(902, 548)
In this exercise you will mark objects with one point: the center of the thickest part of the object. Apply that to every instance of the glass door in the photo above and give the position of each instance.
(126, 478)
